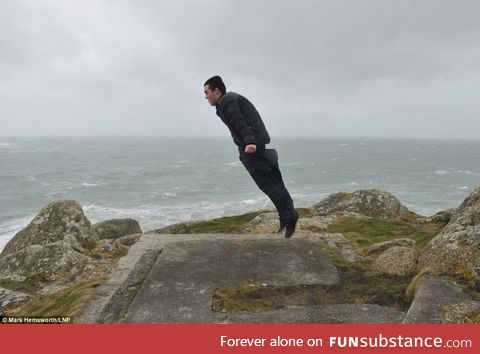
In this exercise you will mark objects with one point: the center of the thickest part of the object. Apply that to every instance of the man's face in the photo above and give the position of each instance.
(211, 96)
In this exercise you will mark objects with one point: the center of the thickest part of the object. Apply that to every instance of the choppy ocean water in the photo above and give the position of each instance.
(160, 181)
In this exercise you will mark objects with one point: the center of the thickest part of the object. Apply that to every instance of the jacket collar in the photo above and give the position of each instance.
(218, 102)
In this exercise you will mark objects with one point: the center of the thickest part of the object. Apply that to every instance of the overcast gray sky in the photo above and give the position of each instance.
(316, 68)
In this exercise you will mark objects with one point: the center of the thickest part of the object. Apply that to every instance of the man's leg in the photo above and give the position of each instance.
(287, 202)
(291, 215)
(269, 179)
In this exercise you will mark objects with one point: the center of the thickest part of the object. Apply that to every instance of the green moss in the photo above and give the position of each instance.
(363, 232)
(65, 302)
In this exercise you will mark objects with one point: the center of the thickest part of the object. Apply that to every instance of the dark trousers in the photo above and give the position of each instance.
(264, 169)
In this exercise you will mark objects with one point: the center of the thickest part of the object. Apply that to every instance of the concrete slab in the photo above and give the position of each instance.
(123, 296)
(179, 287)
(433, 295)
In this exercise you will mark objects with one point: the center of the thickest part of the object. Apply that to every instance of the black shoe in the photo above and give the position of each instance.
(290, 226)
(282, 226)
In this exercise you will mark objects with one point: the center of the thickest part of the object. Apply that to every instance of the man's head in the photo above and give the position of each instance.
(214, 88)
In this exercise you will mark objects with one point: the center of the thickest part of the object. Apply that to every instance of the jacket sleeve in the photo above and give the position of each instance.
(237, 121)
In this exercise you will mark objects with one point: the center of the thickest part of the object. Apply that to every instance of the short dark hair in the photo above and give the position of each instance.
(216, 82)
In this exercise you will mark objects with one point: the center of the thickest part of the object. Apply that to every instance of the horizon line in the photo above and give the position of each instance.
(228, 137)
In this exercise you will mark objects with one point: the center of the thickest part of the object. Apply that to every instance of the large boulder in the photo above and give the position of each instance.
(370, 202)
(457, 247)
(53, 262)
(61, 220)
(55, 245)
(396, 260)
(116, 228)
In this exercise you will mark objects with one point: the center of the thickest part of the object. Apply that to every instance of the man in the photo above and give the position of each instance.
(249, 134)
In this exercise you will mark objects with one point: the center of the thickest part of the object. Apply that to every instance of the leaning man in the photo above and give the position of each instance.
(251, 136)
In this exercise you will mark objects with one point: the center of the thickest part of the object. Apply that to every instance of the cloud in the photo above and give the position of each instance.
(370, 68)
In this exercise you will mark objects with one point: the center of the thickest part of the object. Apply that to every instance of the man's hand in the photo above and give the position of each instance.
(250, 149)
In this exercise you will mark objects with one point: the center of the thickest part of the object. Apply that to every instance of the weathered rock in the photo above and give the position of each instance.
(53, 262)
(111, 247)
(382, 246)
(263, 223)
(61, 220)
(461, 312)
(457, 247)
(179, 228)
(116, 228)
(269, 222)
(396, 260)
(317, 223)
(371, 202)
(55, 245)
(10, 299)
(129, 239)
(341, 246)
(433, 295)
(443, 216)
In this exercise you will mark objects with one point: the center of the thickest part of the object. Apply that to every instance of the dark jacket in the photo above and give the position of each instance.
(243, 120)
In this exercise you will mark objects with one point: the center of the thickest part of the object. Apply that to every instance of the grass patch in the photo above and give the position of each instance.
(65, 302)
(226, 224)
(248, 297)
(363, 232)
(305, 212)
(414, 285)
(28, 286)
(358, 284)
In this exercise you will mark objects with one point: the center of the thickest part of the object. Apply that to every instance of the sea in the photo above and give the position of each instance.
(160, 181)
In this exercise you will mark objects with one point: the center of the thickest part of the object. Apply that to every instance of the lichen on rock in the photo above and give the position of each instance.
(396, 260)
(59, 245)
(456, 249)
(370, 202)
(116, 228)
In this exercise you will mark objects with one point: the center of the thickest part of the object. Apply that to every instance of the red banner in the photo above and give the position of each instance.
(264, 338)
